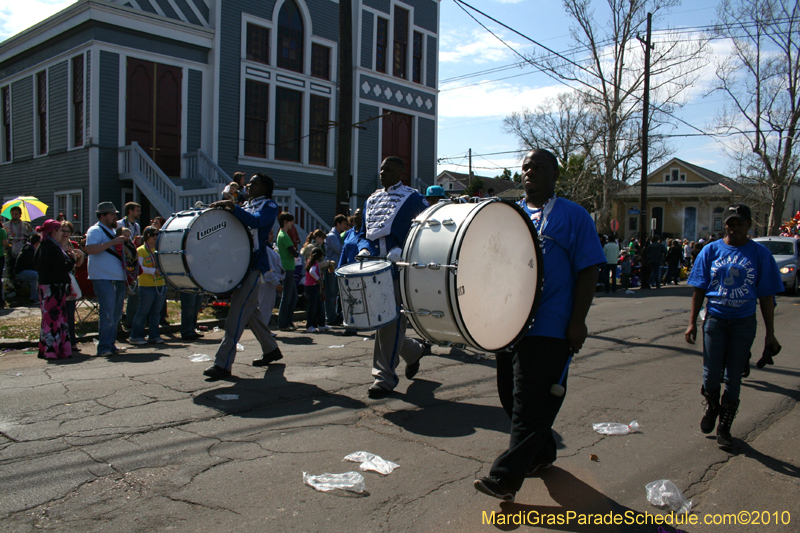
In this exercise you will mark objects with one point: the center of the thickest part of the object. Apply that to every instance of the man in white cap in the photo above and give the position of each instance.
(107, 275)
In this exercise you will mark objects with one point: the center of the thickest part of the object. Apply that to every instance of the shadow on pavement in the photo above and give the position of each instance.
(776, 465)
(443, 418)
(273, 396)
(581, 501)
(127, 357)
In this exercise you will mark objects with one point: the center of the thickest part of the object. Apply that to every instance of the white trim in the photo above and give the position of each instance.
(178, 12)
(157, 7)
(285, 165)
(308, 31)
(122, 112)
(197, 13)
(214, 60)
(397, 81)
(263, 23)
(94, 99)
(69, 193)
(173, 61)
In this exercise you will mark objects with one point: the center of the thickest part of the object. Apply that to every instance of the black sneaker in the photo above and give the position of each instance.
(267, 358)
(377, 392)
(215, 372)
(413, 368)
(493, 487)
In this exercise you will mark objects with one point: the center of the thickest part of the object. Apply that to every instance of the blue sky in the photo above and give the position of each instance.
(471, 117)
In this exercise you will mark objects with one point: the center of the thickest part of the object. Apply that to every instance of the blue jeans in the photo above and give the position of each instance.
(726, 346)
(110, 298)
(150, 304)
(655, 275)
(288, 301)
(190, 306)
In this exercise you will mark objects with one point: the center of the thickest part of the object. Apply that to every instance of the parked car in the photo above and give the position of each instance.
(786, 251)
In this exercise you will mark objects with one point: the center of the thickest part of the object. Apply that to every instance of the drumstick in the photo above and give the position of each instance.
(558, 388)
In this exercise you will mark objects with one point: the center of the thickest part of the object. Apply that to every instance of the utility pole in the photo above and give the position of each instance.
(470, 167)
(644, 219)
(344, 145)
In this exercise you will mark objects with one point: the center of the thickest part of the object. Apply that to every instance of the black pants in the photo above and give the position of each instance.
(524, 378)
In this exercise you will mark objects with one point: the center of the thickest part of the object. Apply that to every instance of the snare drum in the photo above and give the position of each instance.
(366, 290)
(206, 250)
(472, 274)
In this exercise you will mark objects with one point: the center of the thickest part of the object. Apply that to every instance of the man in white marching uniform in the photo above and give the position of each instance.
(388, 214)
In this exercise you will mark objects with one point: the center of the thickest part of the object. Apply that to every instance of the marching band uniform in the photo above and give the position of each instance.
(388, 214)
(259, 215)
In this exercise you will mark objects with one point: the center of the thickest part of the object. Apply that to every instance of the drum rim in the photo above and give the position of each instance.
(539, 278)
(196, 212)
(388, 266)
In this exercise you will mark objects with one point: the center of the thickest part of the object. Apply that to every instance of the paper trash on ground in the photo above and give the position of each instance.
(370, 461)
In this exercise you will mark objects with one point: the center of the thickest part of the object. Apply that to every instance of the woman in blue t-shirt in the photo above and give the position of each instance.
(733, 273)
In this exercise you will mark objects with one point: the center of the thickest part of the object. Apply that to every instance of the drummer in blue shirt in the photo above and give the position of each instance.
(258, 214)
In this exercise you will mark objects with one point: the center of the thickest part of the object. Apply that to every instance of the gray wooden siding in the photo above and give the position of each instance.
(195, 110)
(426, 150)
(150, 43)
(425, 14)
(22, 119)
(380, 5)
(367, 25)
(418, 101)
(58, 108)
(369, 152)
(108, 134)
(55, 46)
(430, 77)
(46, 175)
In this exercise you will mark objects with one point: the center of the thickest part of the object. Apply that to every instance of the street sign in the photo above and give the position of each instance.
(614, 225)
(634, 212)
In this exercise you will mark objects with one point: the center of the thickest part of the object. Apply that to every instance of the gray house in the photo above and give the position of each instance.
(161, 101)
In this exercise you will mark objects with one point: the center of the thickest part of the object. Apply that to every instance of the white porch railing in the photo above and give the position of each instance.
(164, 195)
(304, 217)
(199, 166)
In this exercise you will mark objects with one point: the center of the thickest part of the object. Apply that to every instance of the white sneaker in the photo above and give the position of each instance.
(137, 341)
(311, 329)
(325, 328)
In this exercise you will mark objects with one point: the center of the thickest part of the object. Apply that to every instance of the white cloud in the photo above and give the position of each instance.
(18, 15)
(477, 47)
(495, 99)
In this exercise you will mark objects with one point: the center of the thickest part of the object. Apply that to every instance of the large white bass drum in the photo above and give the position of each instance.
(204, 250)
(472, 274)
(366, 290)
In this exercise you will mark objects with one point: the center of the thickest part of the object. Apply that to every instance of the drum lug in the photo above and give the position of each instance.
(437, 266)
(433, 222)
(437, 314)
(420, 312)
(448, 222)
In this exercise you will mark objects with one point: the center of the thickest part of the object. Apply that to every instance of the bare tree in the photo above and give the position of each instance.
(607, 71)
(761, 81)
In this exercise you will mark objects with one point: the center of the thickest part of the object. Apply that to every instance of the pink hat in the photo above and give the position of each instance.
(48, 227)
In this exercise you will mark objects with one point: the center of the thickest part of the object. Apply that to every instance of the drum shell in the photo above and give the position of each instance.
(204, 250)
(368, 298)
(511, 244)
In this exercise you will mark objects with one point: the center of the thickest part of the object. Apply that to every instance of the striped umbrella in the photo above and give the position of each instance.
(32, 208)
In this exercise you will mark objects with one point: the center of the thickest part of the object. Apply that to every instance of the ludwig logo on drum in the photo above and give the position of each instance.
(209, 231)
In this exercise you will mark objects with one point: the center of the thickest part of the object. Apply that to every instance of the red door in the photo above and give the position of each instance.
(397, 140)
(153, 112)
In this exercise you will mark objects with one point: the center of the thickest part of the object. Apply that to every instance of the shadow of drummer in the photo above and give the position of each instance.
(272, 396)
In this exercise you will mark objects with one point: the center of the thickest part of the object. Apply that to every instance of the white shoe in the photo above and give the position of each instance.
(325, 328)
(137, 341)
(311, 329)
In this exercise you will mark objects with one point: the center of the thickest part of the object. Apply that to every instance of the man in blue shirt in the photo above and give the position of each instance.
(571, 254)
(107, 275)
(734, 273)
(349, 251)
(388, 213)
(259, 214)
(333, 251)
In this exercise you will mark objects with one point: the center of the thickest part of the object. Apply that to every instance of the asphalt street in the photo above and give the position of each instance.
(141, 442)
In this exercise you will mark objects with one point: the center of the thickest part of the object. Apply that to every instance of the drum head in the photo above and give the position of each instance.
(217, 251)
(498, 276)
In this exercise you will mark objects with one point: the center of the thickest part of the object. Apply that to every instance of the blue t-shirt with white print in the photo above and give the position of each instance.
(735, 277)
(569, 243)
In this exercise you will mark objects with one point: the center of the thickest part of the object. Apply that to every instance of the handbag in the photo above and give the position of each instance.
(74, 288)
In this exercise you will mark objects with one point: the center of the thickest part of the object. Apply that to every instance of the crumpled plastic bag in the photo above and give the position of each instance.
(239, 347)
(199, 358)
(351, 481)
(664, 492)
(370, 461)
(614, 428)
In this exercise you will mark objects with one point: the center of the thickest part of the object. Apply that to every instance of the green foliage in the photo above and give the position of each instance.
(473, 187)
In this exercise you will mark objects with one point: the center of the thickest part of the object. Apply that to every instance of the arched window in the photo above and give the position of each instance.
(290, 37)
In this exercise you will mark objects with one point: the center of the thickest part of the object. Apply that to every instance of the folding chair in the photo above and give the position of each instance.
(88, 297)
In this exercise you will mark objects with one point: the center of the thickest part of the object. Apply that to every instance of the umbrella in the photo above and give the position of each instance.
(32, 208)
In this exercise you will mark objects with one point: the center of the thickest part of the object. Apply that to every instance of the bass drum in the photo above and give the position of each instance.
(204, 250)
(472, 274)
